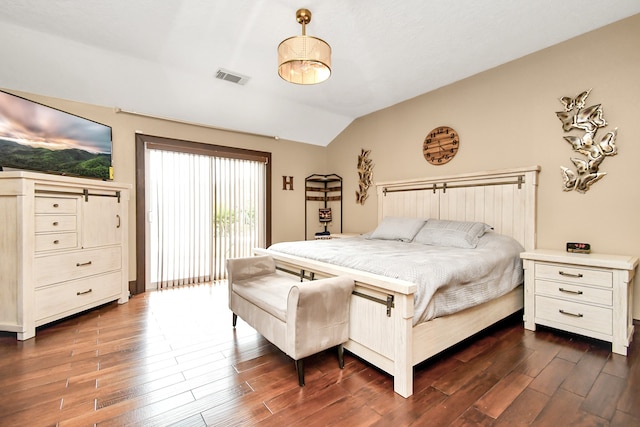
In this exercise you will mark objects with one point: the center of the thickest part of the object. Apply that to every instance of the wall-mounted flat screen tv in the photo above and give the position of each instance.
(36, 137)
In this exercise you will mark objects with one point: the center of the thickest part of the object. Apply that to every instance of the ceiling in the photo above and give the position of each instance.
(160, 58)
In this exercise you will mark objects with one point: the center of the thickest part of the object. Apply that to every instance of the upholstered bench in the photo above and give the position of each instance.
(300, 318)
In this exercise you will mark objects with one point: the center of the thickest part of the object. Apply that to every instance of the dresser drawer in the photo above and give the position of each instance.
(57, 268)
(587, 317)
(577, 293)
(55, 223)
(576, 275)
(56, 241)
(56, 205)
(72, 297)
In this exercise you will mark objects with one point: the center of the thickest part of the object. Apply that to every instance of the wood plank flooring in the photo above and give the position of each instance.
(171, 358)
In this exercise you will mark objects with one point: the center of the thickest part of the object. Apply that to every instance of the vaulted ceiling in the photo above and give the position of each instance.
(160, 57)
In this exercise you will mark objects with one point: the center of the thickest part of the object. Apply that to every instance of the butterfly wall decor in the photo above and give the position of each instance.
(588, 120)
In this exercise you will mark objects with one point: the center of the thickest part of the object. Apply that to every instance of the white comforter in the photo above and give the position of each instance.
(448, 279)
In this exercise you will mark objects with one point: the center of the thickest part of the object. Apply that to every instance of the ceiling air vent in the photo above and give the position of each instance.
(231, 76)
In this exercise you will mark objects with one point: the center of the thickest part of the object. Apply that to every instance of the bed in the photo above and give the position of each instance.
(384, 327)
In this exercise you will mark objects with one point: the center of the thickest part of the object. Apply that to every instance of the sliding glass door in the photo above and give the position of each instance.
(203, 206)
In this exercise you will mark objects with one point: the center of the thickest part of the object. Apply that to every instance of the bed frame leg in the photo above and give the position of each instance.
(341, 356)
(403, 338)
(300, 370)
(235, 320)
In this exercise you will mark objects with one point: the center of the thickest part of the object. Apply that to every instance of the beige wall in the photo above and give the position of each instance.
(506, 118)
(288, 158)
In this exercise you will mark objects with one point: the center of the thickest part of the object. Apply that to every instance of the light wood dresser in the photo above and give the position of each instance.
(63, 248)
(586, 294)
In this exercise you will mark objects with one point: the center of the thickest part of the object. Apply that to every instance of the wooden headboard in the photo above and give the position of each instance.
(504, 199)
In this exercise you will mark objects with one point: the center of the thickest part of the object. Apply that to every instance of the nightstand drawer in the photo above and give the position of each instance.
(583, 316)
(577, 293)
(571, 274)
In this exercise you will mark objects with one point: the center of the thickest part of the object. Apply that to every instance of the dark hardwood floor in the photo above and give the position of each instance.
(172, 358)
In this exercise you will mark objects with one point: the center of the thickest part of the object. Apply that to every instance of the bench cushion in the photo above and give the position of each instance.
(269, 292)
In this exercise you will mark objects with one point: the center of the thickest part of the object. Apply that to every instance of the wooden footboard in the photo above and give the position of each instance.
(394, 346)
(382, 334)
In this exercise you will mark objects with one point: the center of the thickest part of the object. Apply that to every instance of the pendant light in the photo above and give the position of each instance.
(304, 59)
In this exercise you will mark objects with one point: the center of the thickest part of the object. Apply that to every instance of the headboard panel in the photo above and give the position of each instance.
(504, 199)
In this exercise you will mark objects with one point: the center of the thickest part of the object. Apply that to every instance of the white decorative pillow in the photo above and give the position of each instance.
(456, 234)
(397, 228)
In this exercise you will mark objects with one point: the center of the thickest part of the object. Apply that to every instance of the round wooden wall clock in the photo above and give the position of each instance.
(440, 145)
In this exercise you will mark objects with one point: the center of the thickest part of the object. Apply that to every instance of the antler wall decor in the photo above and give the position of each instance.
(365, 175)
(589, 120)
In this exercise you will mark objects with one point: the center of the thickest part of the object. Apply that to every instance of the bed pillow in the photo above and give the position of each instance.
(397, 228)
(455, 234)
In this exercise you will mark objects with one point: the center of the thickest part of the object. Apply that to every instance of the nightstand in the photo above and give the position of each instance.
(586, 294)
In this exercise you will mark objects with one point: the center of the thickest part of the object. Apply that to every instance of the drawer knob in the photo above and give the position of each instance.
(55, 223)
(55, 242)
(55, 205)
(568, 313)
(562, 273)
(81, 264)
(84, 292)
(569, 291)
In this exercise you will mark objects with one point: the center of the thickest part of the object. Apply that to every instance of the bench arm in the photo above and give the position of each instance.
(318, 315)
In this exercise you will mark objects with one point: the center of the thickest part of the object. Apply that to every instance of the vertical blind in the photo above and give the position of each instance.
(202, 210)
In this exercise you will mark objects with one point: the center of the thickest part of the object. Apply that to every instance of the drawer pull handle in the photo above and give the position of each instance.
(569, 291)
(85, 292)
(571, 314)
(55, 223)
(81, 264)
(55, 242)
(562, 273)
